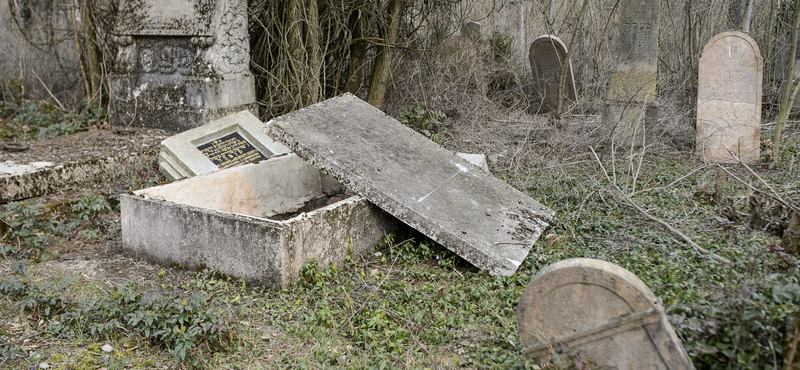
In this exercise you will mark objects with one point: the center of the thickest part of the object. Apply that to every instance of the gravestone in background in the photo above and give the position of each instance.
(547, 56)
(729, 99)
(601, 310)
(181, 63)
(632, 87)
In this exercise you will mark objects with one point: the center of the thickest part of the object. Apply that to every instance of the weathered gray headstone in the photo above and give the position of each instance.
(602, 309)
(227, 142)
(632, 86)
(729, 99)
(181, 63)
(547, 56)
(480, 218)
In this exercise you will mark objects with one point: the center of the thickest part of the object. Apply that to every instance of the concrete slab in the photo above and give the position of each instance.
(258, 222)
(74, 163)
(480, 218)
(231, 141)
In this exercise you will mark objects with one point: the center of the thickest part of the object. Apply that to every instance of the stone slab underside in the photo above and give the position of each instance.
(475, 215)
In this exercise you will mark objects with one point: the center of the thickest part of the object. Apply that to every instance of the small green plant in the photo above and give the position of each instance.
(429, 122)
(31, 228)
(37, 119)
(186, 325)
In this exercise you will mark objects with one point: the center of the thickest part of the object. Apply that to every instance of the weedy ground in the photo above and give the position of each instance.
(70, 299)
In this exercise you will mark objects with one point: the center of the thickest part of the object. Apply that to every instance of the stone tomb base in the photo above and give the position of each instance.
(258, 222)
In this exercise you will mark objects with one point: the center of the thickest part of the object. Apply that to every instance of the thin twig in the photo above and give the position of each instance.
(774, 194)
(659, 221)
(48, 90)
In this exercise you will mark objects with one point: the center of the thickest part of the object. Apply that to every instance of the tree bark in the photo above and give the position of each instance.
(358, 51)
(314, 49)
(382, 71)
(94, 64)
(786, 102)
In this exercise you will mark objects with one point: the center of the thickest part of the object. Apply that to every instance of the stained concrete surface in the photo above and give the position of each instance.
(475, 215)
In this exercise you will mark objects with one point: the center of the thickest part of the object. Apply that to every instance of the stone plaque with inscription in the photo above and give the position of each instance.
(181, 63)
(235, 140)
(632, 86)
(729, 99)
(547, 56)
(231, 150)
(601, 310)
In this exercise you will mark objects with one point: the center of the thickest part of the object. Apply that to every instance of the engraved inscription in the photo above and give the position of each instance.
(167, 59)
(230, 151)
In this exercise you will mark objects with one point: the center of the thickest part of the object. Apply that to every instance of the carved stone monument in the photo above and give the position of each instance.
(602, 309)
(729, 99)
(547, 56)
(632, 87)
(181, 63)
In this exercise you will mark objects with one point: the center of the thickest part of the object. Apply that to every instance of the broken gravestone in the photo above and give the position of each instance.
(729, 99)
(181, 63)
(475, 215)
(632, 87)
(548, 55)
(228, 142)
(602, 310)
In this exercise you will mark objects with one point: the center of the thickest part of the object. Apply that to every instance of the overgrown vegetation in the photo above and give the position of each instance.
(413, 304)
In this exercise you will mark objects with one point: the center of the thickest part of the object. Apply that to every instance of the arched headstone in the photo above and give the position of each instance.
(729, 99)
(602, 309)
(547, 56)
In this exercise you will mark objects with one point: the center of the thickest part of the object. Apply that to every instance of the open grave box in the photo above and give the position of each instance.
(259, 222)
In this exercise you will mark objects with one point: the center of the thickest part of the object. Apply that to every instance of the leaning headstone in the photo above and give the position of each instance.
(472, 213)
(228, 142)
(181, 63)
(547, 56)
(602, 310)
(632, 87)
(729, 99)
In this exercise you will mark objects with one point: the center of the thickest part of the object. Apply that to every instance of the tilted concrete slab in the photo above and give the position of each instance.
(480, 218)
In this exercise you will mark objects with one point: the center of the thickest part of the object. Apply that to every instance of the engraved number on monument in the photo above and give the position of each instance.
(230, 151)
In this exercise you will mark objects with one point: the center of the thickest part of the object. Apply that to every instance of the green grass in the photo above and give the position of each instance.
(417, 306)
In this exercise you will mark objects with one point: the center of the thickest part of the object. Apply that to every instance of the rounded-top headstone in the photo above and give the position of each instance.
(547, 56)
(729, 99)
(599, 308)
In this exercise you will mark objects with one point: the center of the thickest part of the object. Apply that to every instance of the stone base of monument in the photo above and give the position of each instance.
(258, 222)
(601, 309)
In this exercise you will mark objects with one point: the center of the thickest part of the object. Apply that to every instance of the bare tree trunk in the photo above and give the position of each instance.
(313, 38)
(382, 71)
(94, 63)
(358, 51)
(296, 49)
(787, 98)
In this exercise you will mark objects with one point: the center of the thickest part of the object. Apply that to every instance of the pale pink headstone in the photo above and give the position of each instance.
(729, 99)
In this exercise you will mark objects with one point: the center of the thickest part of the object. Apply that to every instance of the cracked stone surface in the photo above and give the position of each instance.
(482, 219)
